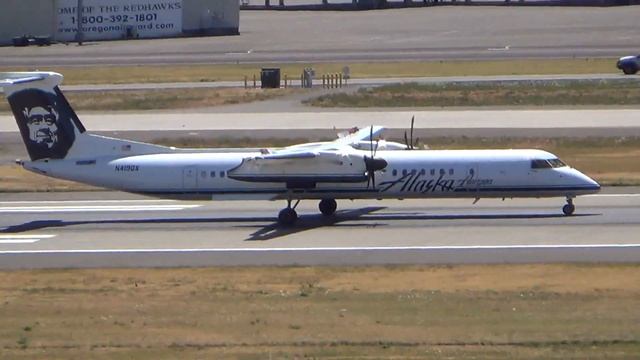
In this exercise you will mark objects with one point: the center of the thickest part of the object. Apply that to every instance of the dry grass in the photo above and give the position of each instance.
(164, 99)
(14, 178)
(200, 73)
(507, 94)
(504, 311)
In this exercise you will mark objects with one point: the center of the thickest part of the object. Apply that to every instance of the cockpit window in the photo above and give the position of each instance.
(547, 164)
(557, 163)
(540, 164)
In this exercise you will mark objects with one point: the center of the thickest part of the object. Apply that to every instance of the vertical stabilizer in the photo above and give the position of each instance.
(47, 123)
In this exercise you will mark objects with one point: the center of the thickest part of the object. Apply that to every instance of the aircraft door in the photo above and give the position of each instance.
(472, 176)
(190, 178)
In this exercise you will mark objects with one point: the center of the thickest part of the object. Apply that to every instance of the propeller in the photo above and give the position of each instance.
(409, 141)
(371, 163)
(413, 118)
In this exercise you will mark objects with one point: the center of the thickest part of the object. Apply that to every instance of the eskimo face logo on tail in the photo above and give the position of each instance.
(46, 122)
(42, 124)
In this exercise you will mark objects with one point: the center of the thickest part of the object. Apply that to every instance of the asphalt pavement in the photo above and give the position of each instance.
(417, 34)
(113, 229)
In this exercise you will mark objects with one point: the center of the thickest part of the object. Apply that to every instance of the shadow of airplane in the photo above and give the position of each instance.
(44, 224)
(273, 230)
(310, 222)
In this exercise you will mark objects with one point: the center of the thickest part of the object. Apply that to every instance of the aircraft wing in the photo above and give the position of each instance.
(283, 155)
(353, 138)
(311, 163)
(302, 168)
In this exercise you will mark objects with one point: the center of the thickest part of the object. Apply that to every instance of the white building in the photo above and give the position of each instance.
(117, 19)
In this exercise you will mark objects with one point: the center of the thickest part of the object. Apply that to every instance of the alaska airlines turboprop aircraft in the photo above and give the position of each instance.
(351, 167)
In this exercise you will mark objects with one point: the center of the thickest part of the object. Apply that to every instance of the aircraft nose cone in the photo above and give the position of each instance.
(587, 182)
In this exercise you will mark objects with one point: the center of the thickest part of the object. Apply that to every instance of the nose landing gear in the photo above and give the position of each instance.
(288, 216)
(569, 208)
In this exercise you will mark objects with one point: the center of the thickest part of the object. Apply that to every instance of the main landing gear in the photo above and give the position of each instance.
(327, 207)
(569, 208)
(288, 216)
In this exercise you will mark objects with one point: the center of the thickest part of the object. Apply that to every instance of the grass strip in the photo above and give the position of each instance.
(237, 72)
(163, 99)
(498, 312)
(487, 94)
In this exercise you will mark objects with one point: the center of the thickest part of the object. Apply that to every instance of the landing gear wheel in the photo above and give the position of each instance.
(569, 208)
(287, 217)
(327, 207)
(628, 70)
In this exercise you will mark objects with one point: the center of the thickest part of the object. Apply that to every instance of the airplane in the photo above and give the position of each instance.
(353, 166)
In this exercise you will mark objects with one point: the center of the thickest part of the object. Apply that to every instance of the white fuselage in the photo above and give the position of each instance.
(409, 174)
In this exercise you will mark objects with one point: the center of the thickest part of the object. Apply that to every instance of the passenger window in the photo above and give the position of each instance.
(413, 171)
(471, 171)
(404, 171)
(450, 171)
(423, 171)
(394, 172)
(442, 172)
(212, 174)
(221, 174)
(203, 174)
(433, 172)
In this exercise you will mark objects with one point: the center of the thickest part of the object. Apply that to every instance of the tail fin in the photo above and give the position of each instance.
(47, 123)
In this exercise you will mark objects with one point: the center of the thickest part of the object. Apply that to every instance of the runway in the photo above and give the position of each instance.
(109, 229)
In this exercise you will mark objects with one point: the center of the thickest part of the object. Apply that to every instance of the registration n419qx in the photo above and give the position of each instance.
(352, 167)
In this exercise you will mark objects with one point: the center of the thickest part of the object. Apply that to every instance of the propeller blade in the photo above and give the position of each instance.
(406, 141)
(413, 118)
(372, 165)
(371, 139)
(376, 150)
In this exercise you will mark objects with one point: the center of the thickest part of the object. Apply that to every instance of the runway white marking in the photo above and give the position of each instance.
(86, 201)
(364, 248)
(611, 195)
(23, 239)
(95, 208)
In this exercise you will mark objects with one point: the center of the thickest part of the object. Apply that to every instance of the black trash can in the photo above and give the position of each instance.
(270, 78)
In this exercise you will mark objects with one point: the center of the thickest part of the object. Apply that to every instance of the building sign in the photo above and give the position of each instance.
(118, 19)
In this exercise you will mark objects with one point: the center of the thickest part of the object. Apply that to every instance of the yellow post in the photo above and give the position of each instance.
(254, 81)
(245, 81)
(285, 81)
